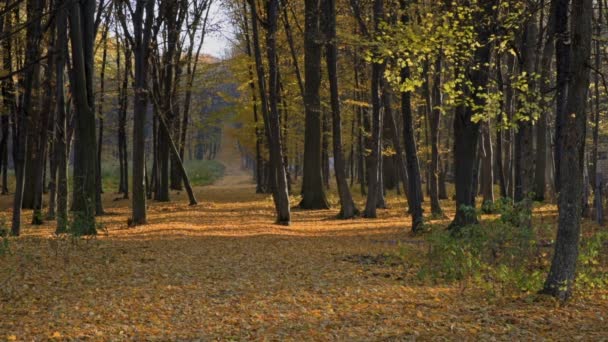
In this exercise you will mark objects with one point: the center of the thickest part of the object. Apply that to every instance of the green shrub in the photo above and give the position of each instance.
(204, 172)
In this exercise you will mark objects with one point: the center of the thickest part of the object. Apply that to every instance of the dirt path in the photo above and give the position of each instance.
(229, 155)
(223, 271)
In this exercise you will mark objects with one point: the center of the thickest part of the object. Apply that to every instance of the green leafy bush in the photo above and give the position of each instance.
(204, 172)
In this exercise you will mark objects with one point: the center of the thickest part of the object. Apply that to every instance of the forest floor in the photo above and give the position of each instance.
(223, 271)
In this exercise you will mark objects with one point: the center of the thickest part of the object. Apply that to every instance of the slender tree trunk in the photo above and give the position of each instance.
(44, 116)
(141, 46)
(9, 100)
(348, 208)
(596, 81)
(500, 168)
(259, 160)
(100, 114)
(281, 195)
(325, 171)
(548, 47)
(435, 117)
(487, 164)
(61, 148)
(377, 120)
(562, 67)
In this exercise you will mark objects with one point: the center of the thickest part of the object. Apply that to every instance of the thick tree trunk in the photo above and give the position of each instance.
(562, 274)
(32, 52)
(524, 144)
(466, 132)
(85, 159)
(313, 193)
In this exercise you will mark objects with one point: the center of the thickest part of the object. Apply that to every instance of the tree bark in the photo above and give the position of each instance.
(281, 195)
(466, 132)
(348, 208)
(32, 53)
(313, 193)
(562, 274)
(61, 146)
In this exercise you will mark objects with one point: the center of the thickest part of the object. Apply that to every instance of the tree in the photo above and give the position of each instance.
(375, 158)
(562, 274)
(348, 208)
(273, 125)
(31, 73)
(85, 168)
(140, 43)
(466, 131)
(61, 148)
(313, 193)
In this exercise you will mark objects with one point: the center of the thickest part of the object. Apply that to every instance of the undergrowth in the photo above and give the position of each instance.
(200, 172)
(501, 256)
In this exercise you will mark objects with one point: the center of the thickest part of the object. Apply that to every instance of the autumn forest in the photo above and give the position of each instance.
(352, 170)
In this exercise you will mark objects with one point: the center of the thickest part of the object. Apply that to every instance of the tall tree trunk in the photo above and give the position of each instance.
(524, 144)
(562, 274)
(41, 149)
(466, 132)
(313, 193)
(596, 81)
(32, 52)
(435, 118)
(85, 159)
(562, 67)
(548, 46)
(98, 179)
(259, 160)
(500, 167)
(376, 131)
(280, 193)
(9, 99)
(348, 208)
(61, 148)
(141, 47)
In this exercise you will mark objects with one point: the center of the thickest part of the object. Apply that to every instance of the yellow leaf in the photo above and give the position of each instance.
(11, 338)
(56, 334)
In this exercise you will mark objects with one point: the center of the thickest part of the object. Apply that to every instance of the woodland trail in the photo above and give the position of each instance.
(223, 271)
(229, 155)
